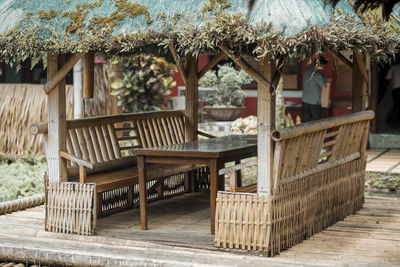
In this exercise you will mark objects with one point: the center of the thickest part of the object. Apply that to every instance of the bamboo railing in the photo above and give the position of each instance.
(318, 179)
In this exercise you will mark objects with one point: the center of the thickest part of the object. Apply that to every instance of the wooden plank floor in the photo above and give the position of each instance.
(178, 235)
(383, 160)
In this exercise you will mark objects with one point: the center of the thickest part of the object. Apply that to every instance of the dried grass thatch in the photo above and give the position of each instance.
(24, 104)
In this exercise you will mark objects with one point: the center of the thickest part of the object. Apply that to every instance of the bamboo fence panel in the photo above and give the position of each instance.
(319, 178)
(24, 104)
(70, 208)
(242, 221)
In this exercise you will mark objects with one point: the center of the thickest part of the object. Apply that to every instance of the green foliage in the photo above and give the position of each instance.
(21, 177)
(283, 120)
(227, 84)
(378, 180)
(145, 84)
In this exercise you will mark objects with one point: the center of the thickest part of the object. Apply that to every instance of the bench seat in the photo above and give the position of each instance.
(129, 176)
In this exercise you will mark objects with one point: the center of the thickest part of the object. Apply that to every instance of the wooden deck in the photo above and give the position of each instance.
(179, 235)
(383, 160)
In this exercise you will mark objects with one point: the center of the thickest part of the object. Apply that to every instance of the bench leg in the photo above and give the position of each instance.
(189, 181)
(221, 178)
(142, 192)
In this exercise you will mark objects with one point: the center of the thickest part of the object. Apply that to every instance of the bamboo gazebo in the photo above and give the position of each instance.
(309, 176)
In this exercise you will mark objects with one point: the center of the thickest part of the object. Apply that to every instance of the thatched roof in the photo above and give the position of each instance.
(386, 6)
(294, 28)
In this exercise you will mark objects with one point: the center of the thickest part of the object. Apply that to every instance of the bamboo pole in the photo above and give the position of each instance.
(88, 75)
(22, 203)
(192, 95)
(308, 127)
(60, 74)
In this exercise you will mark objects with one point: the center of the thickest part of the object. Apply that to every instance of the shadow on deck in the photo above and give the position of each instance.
(179, 234)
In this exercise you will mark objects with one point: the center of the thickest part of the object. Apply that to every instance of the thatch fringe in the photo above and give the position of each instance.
(24, 104)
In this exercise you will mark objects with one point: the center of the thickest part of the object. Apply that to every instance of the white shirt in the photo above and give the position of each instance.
(394, 75)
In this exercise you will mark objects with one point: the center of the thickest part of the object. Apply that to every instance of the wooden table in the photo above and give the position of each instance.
(213, 153)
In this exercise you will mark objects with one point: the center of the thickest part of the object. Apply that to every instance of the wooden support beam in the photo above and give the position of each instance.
(214, 61)
(361, 66)
(344, 60)
(192, 95)
(265, 126)
(57, 77)
(57, 127)
(359, 88)
(246, 67)
(88, 75)
(179, 65)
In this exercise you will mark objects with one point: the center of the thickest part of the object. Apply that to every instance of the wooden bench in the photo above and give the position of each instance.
(317, 179)
(310, 147)
(100, 151)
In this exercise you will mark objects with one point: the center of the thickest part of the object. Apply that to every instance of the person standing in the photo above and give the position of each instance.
(313, 84)
(393, 76)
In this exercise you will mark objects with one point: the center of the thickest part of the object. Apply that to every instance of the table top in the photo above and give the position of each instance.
(209, 148)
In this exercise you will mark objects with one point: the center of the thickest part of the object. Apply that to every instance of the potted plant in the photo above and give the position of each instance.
(225, 103)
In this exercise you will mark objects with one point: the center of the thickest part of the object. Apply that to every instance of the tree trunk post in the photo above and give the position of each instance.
(56, 122)
(265, 126)
(359, 90)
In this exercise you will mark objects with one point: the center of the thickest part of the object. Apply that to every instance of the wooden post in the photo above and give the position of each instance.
(192, 95)
(56, 122)
(88, 75)
(265, 126)
(142, 192)
(359, 90)
(373, 100)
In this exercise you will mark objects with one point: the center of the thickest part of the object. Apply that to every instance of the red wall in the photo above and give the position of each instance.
(203, 60)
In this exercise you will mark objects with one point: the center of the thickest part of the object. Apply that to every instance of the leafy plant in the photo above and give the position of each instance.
(227, 84)
(145, 83)
(21, 176)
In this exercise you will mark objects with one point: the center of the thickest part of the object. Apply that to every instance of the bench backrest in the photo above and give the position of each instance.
(313, 146)
(108, 141)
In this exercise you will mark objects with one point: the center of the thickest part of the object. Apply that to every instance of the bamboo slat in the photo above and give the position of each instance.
(89, 143)
(96, 144)
(114, 141)
(82, 144)
(162, 132)
(101, 141)
(157, 132)
(107, 139)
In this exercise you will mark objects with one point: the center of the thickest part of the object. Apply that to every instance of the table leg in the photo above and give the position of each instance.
(238, 175)
(213, 191)
(142, 192)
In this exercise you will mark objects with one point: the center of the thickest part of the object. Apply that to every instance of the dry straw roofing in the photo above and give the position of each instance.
(294, 28)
